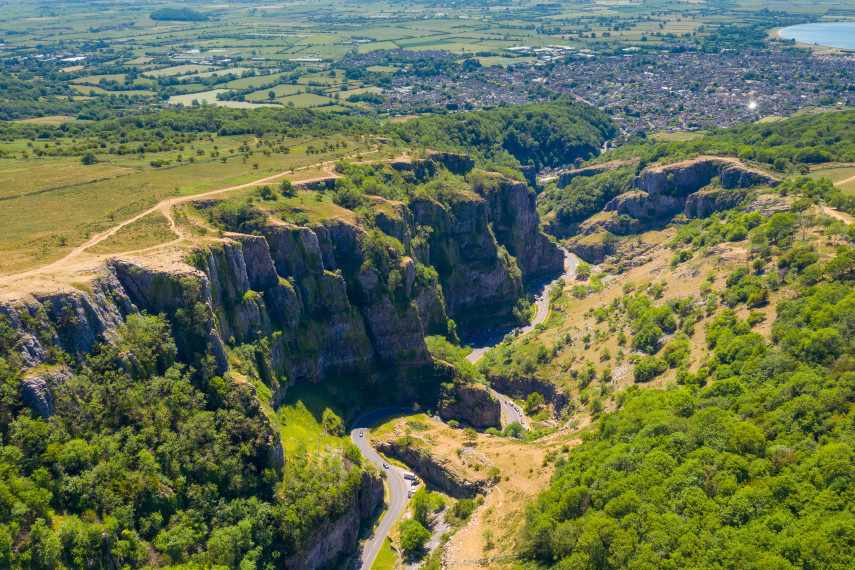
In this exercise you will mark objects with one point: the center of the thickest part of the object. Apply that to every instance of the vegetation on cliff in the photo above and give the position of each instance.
(147, 461)
(539, 135)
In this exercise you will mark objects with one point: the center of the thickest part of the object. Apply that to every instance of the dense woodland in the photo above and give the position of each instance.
(153, 462)
(748, 461)
(538, 135)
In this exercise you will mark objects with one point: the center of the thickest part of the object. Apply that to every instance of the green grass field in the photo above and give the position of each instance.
(146, 232)
(52, 204)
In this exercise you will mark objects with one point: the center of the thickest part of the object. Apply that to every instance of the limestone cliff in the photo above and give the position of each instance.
(683, 178)
(473, 403)
(435, 471)
(340, 537)
(328, 299)
(685, 187)
(512, 210)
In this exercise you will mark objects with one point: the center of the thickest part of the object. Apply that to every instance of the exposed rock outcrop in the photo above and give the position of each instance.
(435, 471)
(704, 203)
(479, 285)
(683, 178)
(472, 404)
(641, 205)
(664, 191)
(339, 537)
(36, 389)
(512, 210)
(523, 386)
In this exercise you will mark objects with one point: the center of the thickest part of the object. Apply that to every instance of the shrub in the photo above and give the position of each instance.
(414, 536)
(649, 368)
(287, 189)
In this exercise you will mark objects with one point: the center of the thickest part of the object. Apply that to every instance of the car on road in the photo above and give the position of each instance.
(410, 494)
(385, 465)
(361, 433)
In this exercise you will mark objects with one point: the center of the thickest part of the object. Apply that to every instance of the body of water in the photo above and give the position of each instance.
(829, 34)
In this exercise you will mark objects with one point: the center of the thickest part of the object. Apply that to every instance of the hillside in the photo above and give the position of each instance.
(179, 378)
(224, 326)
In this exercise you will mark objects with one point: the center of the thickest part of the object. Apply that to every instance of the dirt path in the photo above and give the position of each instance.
(847, 181)
(75, 256)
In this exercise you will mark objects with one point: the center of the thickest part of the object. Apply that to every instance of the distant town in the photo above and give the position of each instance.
(647, 91)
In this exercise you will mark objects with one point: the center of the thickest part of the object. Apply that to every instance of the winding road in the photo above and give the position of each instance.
(484, 341)
(481, 344)
(398, 486)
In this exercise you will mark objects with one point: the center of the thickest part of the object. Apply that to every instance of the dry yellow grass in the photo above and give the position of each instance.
(51, 205)
(146, 232)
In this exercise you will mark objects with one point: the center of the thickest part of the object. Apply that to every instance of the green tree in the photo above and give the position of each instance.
(414, 536)
(533, 402)
(287, 188)
(470, 435)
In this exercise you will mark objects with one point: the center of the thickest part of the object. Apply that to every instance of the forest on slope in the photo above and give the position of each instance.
(744, 457)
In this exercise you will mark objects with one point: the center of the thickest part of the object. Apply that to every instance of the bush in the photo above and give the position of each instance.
(463, 509)
(89, 158)
(676, 353)
(649, 368)
(680, 257)
(414, 536)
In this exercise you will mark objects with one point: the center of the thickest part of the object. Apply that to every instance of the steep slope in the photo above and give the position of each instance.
(328, 300)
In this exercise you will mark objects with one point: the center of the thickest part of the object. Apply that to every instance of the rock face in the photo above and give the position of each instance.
(565, 178)
(339, 537)
(434, 471)
(36, 389)
(512, 209)
(523, 386)
(706, 202)
(473, 404)
(331, 300)
(683, 178)
(641, 205)
(590, 251)
(479, 284)
(665, 191)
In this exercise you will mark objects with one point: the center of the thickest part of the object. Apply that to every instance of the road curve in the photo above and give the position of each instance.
(485, 341)
(397, 486)
(509, 411)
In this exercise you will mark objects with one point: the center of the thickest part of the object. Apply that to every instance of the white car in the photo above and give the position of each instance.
(361, 433)
(385, 465)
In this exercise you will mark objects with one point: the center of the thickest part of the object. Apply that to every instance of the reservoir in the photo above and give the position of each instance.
(830, 34)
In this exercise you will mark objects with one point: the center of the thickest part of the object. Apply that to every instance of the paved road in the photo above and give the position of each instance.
(509, 412)
(397, 486)
(484, 341)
